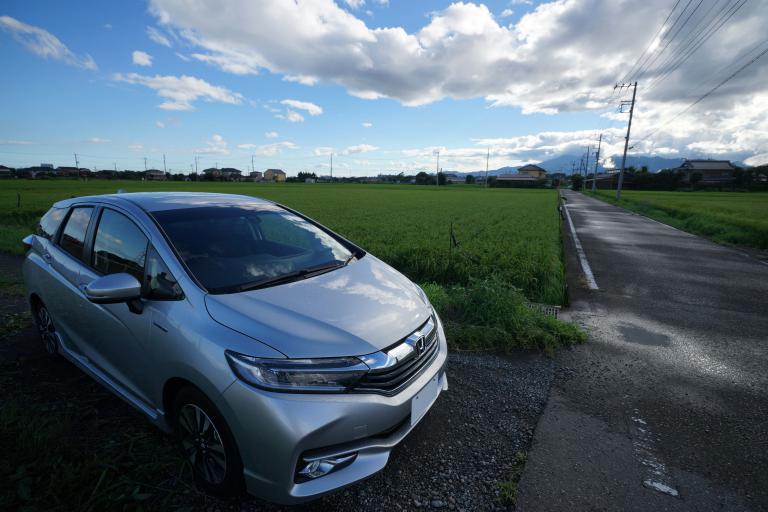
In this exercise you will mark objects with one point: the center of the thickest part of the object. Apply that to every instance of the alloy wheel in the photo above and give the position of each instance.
(47, 330)
(202, 444)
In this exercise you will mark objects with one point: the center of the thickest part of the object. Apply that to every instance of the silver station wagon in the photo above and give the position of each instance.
(287, 360)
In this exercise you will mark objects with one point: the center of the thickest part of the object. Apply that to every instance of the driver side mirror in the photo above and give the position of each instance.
(113, 289)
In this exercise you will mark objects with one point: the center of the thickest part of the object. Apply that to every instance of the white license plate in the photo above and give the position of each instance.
(421, 403)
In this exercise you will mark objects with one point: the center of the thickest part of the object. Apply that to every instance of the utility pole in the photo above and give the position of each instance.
(331, 167)
(253, 168)
(487, 157)
(77, 164)
(165, 169)
(586, 168)
(196, 157)
(626, 139)
(597, 162)
(437, 167)
(145, 164)
(115, 166)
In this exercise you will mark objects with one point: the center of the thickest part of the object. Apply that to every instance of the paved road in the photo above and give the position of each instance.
(666, 407)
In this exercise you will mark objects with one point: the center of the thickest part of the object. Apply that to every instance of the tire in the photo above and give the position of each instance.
(46, 328)
(207, 444)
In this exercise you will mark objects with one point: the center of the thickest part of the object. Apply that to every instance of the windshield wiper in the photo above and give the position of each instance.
(291, 276)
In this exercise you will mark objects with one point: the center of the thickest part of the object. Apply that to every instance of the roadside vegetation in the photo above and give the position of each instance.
(731, 218)
(483, 254)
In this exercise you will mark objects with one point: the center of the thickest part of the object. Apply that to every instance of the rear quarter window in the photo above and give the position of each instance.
(50, 222)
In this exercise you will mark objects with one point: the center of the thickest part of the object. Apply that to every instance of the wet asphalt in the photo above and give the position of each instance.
(666, 406)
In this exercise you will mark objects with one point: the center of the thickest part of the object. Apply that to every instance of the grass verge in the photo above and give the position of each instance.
(508, 488)
(729, 218)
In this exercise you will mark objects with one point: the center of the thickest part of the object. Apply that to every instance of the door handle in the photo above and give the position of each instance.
(47, 257)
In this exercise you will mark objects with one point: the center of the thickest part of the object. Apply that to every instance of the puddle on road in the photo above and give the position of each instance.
(635, 334)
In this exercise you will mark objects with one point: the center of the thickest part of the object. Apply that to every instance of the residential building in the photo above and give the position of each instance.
(711, 172)
(274, 175)
(231, 174)
(154, 175)
(533, 171)
(255, 176)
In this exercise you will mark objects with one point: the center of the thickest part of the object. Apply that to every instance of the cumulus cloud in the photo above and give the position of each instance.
(44, 44)
(310, 108)
(136, 147)
(141, 58)
(562, 55)
(506, 13)
(216, 145)
(291, 116)
(267, 149)
(367, 125)
(97, 140)
(180, 92)
(323, 151)
(157, 37)
(271, 135)
(355, 4)
(359, 148)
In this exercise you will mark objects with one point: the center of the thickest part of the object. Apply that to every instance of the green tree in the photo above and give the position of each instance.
(469, 180)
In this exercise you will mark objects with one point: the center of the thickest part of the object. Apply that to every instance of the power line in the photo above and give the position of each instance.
(701, 37)
(708, 93)
(647, 48)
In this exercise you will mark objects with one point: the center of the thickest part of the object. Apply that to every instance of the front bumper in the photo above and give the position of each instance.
(275, 431)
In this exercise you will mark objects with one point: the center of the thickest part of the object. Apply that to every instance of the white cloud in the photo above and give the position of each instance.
(160, 124)
(216, 145)
(291, 116)
(271, 135)
(367, 125)
(383, 3)
(44, 44)
(108, 26)
(360, 148)
(310, 108)
(561, 55)
(141, 58)
(267, 149)
(157, 37)
(136, 147)
(180, 92)
(7, 142)
(97, 140)
(355, 4)
(323, 151)
(506, 13)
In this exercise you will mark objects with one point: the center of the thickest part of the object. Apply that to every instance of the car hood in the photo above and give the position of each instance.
(355, 310)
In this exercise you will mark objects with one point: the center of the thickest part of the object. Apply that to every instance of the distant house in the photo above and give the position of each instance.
(274, 175)
(711, 172)
(256, 176)
(212, 173)
(155, 175)
(533, 171)
(231, 174)
(452, 178)
(5, 172)
(67, 171)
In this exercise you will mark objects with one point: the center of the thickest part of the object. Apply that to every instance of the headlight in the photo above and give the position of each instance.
(308, 375)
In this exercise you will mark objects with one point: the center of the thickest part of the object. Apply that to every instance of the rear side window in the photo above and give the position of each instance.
(73, 236)
(119, 246)
(50, 222)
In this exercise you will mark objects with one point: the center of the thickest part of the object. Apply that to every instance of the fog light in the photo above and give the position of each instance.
(321, 467)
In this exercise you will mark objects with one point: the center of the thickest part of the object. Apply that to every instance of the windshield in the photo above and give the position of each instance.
(231, 248)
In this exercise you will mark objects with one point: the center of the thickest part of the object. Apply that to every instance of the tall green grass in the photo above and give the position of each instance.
(731, 218)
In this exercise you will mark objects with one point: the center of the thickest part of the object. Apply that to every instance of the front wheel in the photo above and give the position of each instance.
(208, 444)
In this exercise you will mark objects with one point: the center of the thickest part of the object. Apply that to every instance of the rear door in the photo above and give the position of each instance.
(66, 259)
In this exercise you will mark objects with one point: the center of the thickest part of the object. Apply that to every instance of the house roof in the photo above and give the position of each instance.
(515, 177)
(530, 167)
(707, 165)
(276, 171)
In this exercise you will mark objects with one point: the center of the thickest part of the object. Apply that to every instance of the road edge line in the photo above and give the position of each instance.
(581, 254)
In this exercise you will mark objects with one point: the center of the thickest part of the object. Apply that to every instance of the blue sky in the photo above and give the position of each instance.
(379, 84)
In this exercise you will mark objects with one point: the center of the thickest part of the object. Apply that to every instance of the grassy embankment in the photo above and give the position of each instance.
(730, 218)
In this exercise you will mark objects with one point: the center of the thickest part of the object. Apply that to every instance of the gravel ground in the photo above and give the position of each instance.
(453, 460)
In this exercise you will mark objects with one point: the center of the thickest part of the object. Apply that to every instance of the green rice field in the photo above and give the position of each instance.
(509, 243)
(731, 218)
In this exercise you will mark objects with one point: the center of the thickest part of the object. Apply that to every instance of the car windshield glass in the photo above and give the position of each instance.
(229, 248)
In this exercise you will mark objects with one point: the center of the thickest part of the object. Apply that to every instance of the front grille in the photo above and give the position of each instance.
(404, 362)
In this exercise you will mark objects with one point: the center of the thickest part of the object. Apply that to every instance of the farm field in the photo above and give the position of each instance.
(509, 248)
(731, 218)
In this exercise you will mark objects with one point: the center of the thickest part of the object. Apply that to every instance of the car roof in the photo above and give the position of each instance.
(160, 201)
